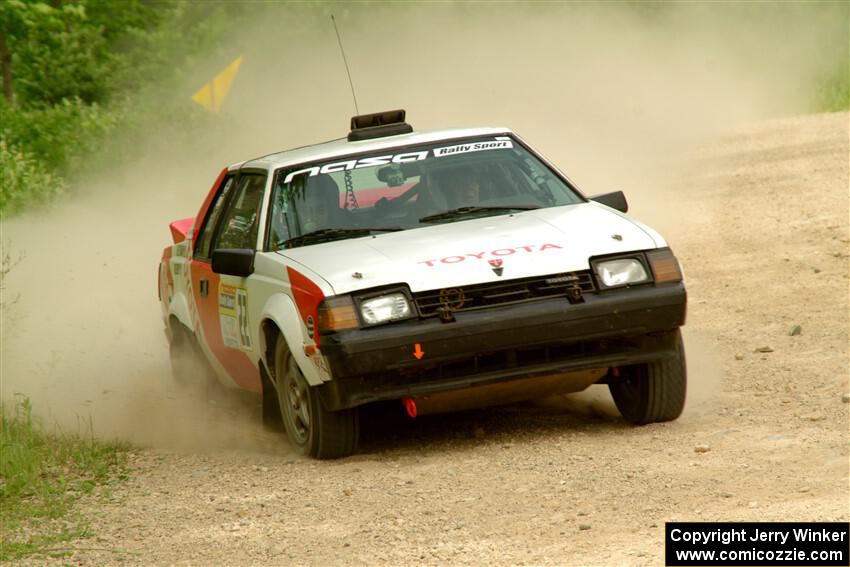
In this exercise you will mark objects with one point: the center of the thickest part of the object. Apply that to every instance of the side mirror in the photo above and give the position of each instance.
(233, 261)
(615, 200)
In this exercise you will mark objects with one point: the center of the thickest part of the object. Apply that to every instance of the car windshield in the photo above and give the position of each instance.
(410, 187)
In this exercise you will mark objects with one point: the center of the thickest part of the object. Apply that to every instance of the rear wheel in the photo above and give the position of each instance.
(312, 430)
(193, 376)
(654, 391)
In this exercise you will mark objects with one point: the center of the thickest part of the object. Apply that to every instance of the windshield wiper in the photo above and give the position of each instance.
(463, 211)
(327, 234)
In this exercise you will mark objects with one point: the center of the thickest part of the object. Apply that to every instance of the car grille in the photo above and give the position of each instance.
(493, 294)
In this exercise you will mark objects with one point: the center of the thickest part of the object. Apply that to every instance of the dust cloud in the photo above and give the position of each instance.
(608, 92)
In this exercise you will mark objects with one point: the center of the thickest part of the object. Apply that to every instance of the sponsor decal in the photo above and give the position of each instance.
(473, 147)
(533, 248)
(500, 143)
(227, 298)
(233, 316)
(165, 280)
(357, 164)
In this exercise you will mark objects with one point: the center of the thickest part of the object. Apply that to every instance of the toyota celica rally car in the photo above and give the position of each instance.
(446, 269)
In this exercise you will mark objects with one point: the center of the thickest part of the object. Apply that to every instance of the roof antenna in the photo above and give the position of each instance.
(350, 82)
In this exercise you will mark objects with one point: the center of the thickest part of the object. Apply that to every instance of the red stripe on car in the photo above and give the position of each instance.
(307, 297)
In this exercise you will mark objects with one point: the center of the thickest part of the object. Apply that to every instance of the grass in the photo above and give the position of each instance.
(42, 475)
(834, 95)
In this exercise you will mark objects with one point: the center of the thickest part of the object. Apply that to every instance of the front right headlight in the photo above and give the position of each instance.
(385, 308)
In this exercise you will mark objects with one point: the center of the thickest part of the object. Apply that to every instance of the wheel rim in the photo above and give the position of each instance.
(296, 404)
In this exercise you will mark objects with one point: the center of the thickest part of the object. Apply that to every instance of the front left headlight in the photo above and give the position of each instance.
(621, 271)
(385, 308)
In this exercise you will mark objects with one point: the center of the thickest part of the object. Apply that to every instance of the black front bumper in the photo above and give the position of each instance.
(614, 328)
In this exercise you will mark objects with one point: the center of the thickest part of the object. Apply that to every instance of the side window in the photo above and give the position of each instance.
(239, 222)
(205, 237)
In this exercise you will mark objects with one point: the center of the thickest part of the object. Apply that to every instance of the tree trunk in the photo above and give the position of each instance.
(6, 62)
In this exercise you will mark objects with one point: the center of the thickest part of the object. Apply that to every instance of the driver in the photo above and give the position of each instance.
(465, 189)
(468, 190)
(319, 207)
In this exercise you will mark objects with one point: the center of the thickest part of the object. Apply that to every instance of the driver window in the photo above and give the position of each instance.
(239, 223)
(205, 238)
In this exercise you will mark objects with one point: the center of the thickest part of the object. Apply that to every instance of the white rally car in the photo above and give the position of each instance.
(448, 269)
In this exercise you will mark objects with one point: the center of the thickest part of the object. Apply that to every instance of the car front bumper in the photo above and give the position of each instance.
(527, 340)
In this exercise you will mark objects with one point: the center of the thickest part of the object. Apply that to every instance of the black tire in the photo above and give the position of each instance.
(652, 392)
(312, 430)
(185, 367)
(272, 420)
(190, 370)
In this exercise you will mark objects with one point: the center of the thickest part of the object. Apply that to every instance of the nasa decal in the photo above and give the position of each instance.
(500, 143)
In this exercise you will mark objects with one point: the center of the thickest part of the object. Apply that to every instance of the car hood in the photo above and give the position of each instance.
(529, 243)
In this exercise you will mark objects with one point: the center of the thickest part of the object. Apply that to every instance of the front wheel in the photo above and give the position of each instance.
(312, 430)
(654, 391)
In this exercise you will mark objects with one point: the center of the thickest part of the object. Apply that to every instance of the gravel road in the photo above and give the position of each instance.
(761, 227)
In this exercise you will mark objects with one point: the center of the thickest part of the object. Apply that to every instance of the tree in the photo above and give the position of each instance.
(11, 28)
(6, 62)
(52, 52)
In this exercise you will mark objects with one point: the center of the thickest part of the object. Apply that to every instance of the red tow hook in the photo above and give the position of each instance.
(410, 406)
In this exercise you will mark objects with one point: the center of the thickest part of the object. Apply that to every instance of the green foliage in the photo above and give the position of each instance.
(62, 133)
(24, 180)
(42, 475)
(834, 91)
(81, 71)
(57, 56)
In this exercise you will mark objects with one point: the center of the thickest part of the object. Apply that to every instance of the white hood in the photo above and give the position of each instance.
(529, 243)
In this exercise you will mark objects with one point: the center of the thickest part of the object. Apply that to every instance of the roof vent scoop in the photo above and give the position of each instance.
(378, 125)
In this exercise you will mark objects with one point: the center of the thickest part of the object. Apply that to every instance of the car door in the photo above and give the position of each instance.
(232, 221)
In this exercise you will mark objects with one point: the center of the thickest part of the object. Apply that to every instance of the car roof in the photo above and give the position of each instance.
(342, 147)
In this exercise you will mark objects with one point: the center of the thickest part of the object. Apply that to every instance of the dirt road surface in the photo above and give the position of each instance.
(762, 231)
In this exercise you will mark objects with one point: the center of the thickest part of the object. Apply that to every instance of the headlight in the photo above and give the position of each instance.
(622, 271)
(384, 308)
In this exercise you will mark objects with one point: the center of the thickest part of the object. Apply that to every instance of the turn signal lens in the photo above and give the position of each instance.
(664, 266)
(337, 314)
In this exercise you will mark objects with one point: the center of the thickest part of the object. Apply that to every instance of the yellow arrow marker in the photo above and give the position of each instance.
(211, 96)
